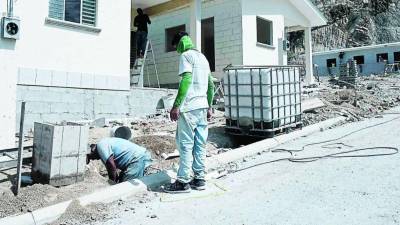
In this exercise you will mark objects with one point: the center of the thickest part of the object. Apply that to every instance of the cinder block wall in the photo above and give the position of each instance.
(56, 104)
(228, 37)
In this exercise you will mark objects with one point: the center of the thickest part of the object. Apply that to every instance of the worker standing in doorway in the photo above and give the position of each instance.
(192, 109)
(141, 21)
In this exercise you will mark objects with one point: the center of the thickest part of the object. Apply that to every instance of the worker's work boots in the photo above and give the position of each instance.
(198, 184)
(178, 187)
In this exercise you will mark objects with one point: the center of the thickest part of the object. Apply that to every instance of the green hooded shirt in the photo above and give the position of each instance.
(184, 45)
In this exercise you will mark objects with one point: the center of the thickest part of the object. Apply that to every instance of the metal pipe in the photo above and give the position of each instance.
(10, 8)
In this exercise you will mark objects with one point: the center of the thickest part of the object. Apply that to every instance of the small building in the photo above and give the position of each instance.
(239, 32)
(370, 59)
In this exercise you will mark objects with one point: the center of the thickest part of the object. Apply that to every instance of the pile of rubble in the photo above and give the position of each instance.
(369, 97)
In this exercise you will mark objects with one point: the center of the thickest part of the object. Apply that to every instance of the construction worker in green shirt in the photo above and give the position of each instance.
(191, 110)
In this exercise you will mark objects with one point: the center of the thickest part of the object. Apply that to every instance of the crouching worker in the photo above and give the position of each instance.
(120, 154)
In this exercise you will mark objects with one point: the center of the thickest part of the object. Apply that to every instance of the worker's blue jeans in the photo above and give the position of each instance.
(141, 39)
(191, 139)
(136, 169)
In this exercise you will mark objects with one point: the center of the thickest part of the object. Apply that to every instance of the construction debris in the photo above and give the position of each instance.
(371, 96)
(310, 104)
(77, 214)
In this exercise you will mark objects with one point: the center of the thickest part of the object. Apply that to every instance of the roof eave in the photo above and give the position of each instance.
(311, 12)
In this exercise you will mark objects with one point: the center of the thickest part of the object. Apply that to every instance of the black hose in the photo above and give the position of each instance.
(344, 154)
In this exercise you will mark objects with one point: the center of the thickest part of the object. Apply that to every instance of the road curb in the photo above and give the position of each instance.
(129, 188)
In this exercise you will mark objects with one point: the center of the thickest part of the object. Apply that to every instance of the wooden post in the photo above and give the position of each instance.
(20, 148)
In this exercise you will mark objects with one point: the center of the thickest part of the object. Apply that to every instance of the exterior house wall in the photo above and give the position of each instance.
(228, 37)
(66, 73)
(282, 14)
(8, 72)
(56, 104)
(370, 66)
(55, 55)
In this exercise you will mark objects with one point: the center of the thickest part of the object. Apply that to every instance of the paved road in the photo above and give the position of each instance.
(330, 191)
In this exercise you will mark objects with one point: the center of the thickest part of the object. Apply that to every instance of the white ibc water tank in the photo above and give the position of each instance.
(262, 97)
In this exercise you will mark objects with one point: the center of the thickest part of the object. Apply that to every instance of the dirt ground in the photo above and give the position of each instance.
(39, 195)
(157, 134)
(371, 96)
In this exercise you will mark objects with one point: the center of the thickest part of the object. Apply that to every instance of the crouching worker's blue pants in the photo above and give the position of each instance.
(191, 139)
(136, 169)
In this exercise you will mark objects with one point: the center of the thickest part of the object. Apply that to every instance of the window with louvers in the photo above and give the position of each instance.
(76, 11)
(89, 12)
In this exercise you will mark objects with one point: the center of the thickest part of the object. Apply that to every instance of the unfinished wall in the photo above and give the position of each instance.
(56, 104)
(228, 36)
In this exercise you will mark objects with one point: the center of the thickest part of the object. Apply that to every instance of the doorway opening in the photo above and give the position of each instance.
(208, 41)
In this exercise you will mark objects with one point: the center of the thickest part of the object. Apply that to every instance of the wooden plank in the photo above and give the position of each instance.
(311, 104)
(166, 7)
(12, 163)
(15, 149)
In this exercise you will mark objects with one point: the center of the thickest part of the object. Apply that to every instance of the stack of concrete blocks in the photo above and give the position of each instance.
(59, 155)
(348, 74)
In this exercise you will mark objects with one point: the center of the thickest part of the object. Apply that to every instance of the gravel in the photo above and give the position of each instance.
(372, 96)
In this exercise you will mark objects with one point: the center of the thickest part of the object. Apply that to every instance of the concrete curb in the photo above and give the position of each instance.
(127, 189)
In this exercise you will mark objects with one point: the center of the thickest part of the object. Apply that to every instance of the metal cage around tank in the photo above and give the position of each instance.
(262, 101)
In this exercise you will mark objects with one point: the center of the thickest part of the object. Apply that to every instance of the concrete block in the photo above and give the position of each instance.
(58, 152)
(26, 76)
(71, 116)
(84, 135)
(76, 107)
(51, 118)
(69, 166)
(73, 97)
(100, 82)
(74, 80)
(59, 107)
(70, 145)
(82, 159)
(37, 107)
(87, 81)
(100, 122)
(30, 119)
(113, 83)
(59, 79)
(44, 77)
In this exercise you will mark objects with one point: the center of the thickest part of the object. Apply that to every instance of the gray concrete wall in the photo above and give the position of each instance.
(56, 104)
